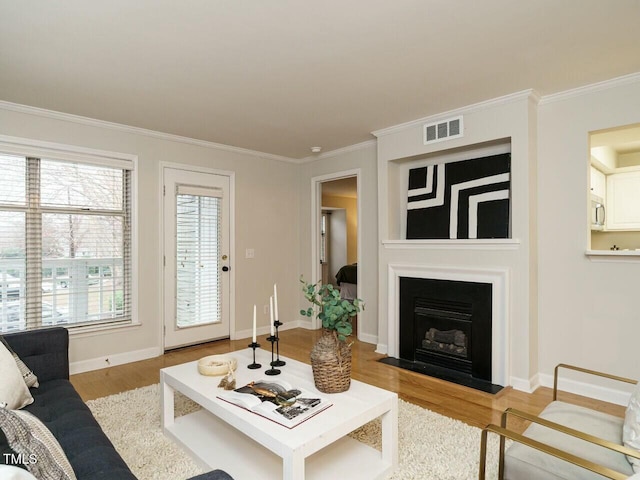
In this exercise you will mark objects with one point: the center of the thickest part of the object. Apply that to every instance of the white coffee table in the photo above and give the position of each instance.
(247, 446)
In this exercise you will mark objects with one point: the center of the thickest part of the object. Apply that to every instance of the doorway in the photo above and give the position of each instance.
(337, 235)
(196, 237)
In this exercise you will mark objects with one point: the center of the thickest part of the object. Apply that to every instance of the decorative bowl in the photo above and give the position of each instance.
(215, 365)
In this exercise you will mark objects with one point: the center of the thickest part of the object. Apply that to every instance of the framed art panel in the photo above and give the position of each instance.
(466, 199)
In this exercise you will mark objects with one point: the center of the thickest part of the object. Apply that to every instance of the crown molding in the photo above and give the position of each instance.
(592, 88)
(505, 99)
(339, 151)
(68, 117)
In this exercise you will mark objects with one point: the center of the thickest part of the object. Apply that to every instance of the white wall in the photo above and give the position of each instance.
(266, 214)
(589, 310)
(337, 242)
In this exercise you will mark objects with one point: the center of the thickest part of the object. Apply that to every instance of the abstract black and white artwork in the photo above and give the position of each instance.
(460, 200)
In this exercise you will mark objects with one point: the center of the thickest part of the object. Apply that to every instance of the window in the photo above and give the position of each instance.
(323, 237)
(198, 227)
(65, 243)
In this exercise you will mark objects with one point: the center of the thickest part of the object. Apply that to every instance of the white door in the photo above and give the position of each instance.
(196, 257)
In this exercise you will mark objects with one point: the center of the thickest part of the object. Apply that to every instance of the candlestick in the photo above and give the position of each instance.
(276, 323)
(253, 338)
(272, 371)
(277, 362)
(275, 301)
(271, 316)
(253, 345)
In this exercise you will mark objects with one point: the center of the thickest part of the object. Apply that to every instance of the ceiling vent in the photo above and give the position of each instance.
(443, 130)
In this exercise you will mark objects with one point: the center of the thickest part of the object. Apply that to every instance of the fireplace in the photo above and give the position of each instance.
(458, 338)
(447, 324)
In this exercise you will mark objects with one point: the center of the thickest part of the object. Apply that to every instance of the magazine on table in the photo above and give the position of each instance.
(277, 400)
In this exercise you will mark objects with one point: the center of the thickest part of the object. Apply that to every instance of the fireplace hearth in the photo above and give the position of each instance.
(445, 330)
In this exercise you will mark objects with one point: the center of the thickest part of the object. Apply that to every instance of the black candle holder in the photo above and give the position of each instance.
(254, 365)
(277, 362)
(272, 371)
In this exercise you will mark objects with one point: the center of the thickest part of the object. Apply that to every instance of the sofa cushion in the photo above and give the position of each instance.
(631, 427)
(39, 450)
(525, 462)
(45, 351)
(13, 391)
(88, 449)
(29, 377)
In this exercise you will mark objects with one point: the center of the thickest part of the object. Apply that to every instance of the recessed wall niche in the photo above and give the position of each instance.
(462, 193)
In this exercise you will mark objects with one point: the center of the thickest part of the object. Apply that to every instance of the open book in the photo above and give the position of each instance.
(277, 400)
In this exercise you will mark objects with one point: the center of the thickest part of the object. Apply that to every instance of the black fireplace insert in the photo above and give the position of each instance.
(445, 330)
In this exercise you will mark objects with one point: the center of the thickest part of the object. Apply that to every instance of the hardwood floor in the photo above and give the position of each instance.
(471, 406)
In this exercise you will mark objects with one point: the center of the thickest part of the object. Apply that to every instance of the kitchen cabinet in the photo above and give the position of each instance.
(598, 183)
(623, 201)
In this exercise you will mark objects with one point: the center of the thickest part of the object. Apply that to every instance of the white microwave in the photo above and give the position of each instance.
(598, 213)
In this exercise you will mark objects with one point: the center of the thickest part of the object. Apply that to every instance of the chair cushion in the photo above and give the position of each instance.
(631, 427)
(524, 462)
(13, 389)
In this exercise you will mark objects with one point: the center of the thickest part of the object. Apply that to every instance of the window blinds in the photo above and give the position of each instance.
(198, 225)
(65, 243)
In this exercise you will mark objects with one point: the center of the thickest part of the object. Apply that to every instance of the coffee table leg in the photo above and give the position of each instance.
(293, 467)
(390, 435)
(166, 404)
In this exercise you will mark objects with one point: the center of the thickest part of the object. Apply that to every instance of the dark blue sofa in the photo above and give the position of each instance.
(58, 405)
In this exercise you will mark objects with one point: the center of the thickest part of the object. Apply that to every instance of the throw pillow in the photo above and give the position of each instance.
(9, 472)
(29, 377)
(13, 390)
(631, 427)
(31, 439)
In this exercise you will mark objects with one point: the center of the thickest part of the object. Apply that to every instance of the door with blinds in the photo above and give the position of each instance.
(196, 257)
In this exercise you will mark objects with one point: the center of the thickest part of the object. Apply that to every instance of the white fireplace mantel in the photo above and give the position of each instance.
(497, 277)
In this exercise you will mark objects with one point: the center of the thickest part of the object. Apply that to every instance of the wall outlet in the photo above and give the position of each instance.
(265, 309)
(249, 253)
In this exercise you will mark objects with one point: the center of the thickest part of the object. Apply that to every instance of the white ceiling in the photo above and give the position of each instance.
(280, 76)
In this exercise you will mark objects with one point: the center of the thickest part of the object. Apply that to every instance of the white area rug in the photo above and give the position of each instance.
(431, 446)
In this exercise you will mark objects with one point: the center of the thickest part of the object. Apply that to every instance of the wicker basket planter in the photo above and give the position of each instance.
(331, 363)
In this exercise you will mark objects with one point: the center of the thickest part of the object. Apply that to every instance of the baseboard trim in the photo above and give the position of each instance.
(368, 338)
(611, 395)
(306, 324)
(524, 385)
(382, 348)
(113, 360)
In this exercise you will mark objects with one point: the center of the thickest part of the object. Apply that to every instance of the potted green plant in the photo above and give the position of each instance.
(331, 355)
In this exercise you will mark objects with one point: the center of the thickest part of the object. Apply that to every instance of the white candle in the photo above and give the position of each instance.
(275, 301)
(271, 313)
(253, 339)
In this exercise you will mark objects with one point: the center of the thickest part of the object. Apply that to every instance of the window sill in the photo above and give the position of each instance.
(93, 330)
(613, 255)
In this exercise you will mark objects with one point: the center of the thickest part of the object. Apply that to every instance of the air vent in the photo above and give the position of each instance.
(443, 130)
